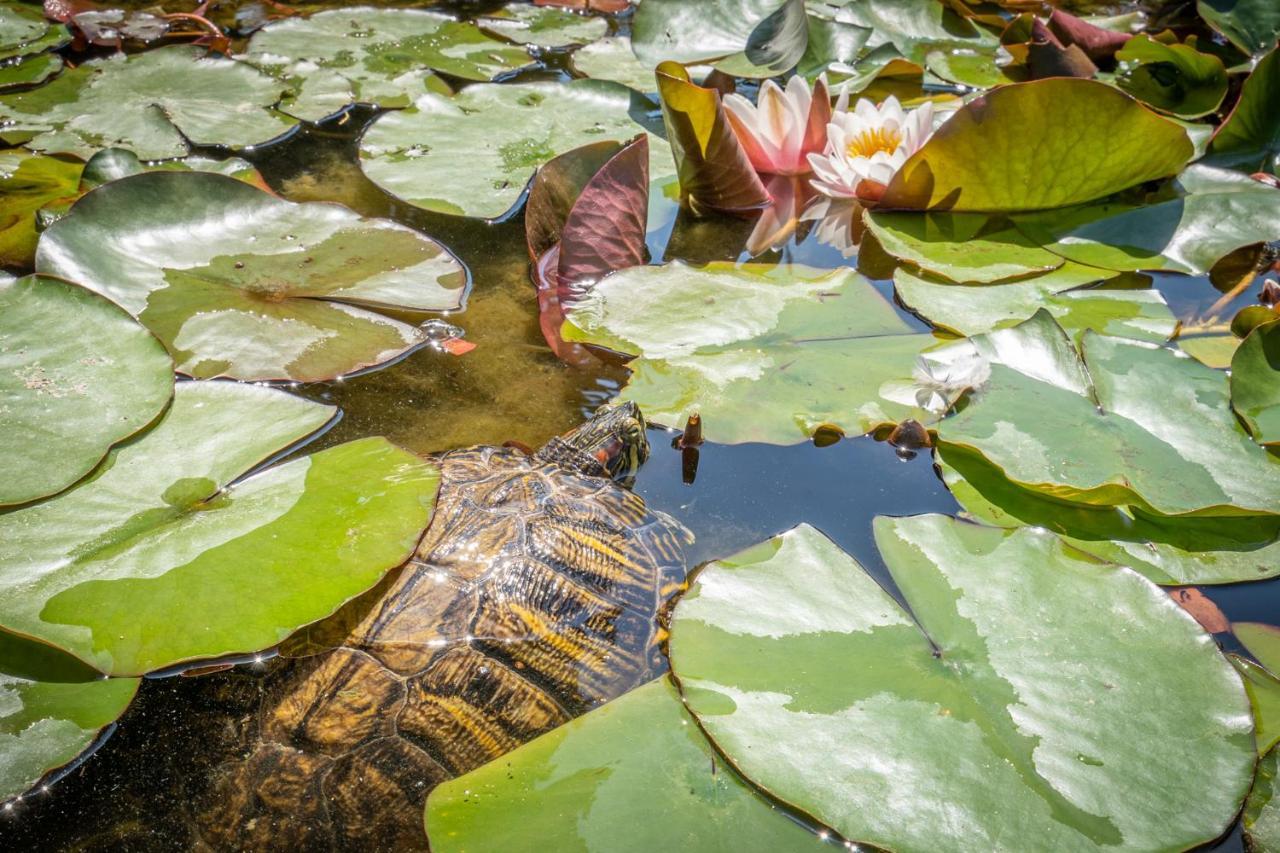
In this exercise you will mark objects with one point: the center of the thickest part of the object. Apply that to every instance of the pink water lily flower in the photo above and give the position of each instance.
(786, 126)
(866, 146)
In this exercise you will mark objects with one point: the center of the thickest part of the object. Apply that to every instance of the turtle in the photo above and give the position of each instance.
(534, 596)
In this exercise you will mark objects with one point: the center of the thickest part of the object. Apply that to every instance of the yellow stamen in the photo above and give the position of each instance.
(876, 139)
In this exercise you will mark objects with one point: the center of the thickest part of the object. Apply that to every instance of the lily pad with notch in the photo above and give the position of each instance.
(180, 548)
(543, 26)
(375, 56)
(240, 283)
(1030, 690)
(823, 348)
(77, 375)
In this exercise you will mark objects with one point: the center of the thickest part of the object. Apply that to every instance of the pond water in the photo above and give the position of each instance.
(135, 792)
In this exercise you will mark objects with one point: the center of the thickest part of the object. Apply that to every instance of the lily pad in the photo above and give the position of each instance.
(1249, 139)
(914, 27)
(153, 103)
(1251, 25)
(1212, 213)
(1138, 314)
(1264, 694)
(611, 58)
(28, 182)
(1262, 641)
(747, 38)
(1001, 705)
(1173, 551)
(637, 762)
(542, 26)
(375, 56)
(77, 375)
(473, 154)
(822, 347)
(1262, 811)
(237, 282)
(165, 555)
(29, 71)
(1116, 422)
(24, 31)
(961, 246)
(1173, 78)
(998, 152)
(1255, 383)
(50, 713)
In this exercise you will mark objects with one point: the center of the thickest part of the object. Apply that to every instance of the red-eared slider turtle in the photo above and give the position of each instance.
(533, 597)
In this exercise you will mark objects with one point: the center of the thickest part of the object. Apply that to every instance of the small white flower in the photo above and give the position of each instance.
(939, 384)
(866, 146)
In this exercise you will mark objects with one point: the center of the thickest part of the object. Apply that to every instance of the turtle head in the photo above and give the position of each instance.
(614, 439)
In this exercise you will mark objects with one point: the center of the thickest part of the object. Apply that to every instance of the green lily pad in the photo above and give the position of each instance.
(51, 711)
(375, 56)
(611, 59)
(542, 26)
(29, 71)
(1262, 641)
(152, 103)
(1139, 314)
(1115, 423)
(821, 346)
(473, 154)
(830, 41)
(1002, 705)
(1249, 139)
(239, 283)
(1173, 78)
(1173, 551)
(1264, 695)
(28, 182)
(914, 27)
(1255, 382)
(158, 559)
(976, 69)
(24, 31)
(1251, 25)
(1213, 213)
(961, 246)
(77, 375)
(1000, 153)
(1262, 810)
(637, 762)
(728, 31)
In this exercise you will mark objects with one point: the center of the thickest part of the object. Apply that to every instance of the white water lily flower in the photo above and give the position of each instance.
(866, 146)
(785, 128)
(939, 384)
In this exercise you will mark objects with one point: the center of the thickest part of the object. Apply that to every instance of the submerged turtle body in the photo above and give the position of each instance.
(533, 597)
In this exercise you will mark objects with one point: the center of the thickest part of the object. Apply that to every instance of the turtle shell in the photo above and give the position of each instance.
(533, 597)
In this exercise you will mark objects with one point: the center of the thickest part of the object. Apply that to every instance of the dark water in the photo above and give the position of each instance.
(136, 791)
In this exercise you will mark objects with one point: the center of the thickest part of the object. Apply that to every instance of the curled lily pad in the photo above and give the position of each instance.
(1255, 382)
(822, 347)
(1173, 78)
(1000, 153)
(1116, 422)
(1251, 25)
(77, 375)
(1264, 694)
(1139, 314)
(1249, 139)
(639, 762)
(153, 103)
(542, 26)
(1174, 551)
(376, 56)
(1212, 213)
(1022, 710)
(237, 282)
(1262, 811)
(473, 154)
(166, 555)
(52, 709)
